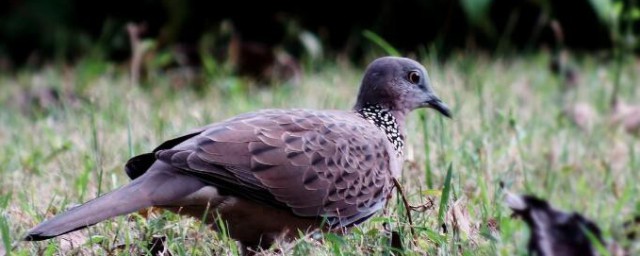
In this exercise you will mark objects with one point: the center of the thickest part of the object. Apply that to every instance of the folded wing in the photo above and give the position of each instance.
(318, 164)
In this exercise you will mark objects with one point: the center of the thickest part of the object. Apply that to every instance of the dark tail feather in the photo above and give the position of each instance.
(124, 200)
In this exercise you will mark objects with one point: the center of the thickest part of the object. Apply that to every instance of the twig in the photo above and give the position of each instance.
(407, 207)
(423, 207)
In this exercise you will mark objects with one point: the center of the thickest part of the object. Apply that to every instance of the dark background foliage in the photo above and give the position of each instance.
(35, 30)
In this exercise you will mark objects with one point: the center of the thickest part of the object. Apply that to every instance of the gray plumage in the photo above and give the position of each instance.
(274, 172)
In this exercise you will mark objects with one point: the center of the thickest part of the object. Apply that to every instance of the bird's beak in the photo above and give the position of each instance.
(437, 104)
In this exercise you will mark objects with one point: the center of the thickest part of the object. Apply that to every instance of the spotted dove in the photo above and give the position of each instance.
(275, 172)
(553, 232)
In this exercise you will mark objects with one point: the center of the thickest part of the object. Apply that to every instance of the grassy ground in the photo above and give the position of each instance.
(507, 127)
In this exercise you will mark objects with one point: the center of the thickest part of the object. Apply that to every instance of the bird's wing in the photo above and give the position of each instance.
(318, 164)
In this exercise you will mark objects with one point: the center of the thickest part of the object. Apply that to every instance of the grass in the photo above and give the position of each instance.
(507, 127)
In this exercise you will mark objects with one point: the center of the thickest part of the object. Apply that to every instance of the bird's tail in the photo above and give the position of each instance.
(124, 200)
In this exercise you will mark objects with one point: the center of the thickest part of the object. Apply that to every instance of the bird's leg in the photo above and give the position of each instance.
(407, 207)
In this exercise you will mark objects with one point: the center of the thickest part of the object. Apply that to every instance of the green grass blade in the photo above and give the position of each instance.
(129, 136)
(602, 250)
(336, 243)
(445, 196)
(427, 150)
(4, 232)
(95, 145)
(386, 46)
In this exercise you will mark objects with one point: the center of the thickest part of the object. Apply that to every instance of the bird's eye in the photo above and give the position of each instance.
(414, 77)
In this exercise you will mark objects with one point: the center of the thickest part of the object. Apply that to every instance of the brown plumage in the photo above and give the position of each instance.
(271, 173)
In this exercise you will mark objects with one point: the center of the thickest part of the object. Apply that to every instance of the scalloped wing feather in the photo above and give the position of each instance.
(317, 163)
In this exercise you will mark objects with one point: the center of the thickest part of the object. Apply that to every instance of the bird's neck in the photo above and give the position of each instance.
(389, 121)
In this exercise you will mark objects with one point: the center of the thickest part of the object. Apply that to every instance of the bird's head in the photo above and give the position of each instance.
(398, 84)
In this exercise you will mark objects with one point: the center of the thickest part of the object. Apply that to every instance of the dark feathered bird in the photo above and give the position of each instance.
(274, 172)
(553, 232)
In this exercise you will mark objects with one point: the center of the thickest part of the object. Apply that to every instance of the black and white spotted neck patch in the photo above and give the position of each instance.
(383, 119)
